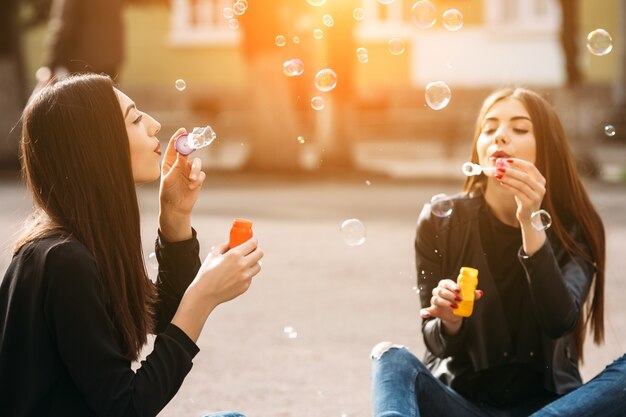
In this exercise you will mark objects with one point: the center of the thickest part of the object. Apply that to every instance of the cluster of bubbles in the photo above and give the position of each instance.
(199, 137)
(353, 232)
(290, 332)
(437, 95)
(231, 13)
(599, 42)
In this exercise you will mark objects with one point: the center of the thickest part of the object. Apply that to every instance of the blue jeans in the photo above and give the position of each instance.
(402, 386)
(604, 395)
(225, 414)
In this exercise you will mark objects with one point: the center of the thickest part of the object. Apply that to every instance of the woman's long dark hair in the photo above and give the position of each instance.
(565, 197)
(76, 161)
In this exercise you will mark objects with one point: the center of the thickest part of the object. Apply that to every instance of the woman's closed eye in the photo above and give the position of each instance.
(138, 119)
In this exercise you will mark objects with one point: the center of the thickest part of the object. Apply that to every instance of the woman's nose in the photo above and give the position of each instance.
(501, 136)
(155, 127)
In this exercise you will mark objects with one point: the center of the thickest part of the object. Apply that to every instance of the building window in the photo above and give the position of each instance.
(201, 23)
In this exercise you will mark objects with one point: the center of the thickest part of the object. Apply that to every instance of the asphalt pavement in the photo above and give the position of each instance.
(298, 342)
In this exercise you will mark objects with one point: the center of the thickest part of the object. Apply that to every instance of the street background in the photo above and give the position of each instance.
(340, 300)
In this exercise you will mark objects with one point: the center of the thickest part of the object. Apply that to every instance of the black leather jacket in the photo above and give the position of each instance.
(558, 285)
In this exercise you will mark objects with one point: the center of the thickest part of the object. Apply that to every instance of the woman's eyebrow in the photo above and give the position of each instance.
(130, 106)
(495, 119)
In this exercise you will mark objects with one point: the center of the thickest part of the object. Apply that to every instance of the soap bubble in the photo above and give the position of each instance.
(362, 55)
(239, 8)
(325, 80)
(441, 205)
(280, 40)
(385, 1)
(201, 137)
(396, 46)
(296, 39)
(228, 12)
(316, 3)
(599, 42)
(437, 95)
(153, 263)
(293, 67)
(353, 232)
(318, 34)
(181, 85)
(424, 14)
(317, 103)
(452, 20)
(609, 130)
(358, 14)
(233, 24)
(300, 139)
(328, 20)
(541, 220)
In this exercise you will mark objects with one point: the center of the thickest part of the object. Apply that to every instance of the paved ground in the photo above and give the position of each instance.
(340, 300)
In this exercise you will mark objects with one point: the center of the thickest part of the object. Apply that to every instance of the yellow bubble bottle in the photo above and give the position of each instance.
(467, 280)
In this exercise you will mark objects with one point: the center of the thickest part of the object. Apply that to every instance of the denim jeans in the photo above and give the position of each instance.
(402, 386)
(604, 395)
(225, 414)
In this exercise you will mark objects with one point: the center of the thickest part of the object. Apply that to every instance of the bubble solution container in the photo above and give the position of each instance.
(467, 280)
(240, 232)
(200, 137)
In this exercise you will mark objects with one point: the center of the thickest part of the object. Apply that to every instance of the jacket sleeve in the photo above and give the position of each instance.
(559, 284)
(62, 32)
(178, 265)
(428, 261)
(76, 316)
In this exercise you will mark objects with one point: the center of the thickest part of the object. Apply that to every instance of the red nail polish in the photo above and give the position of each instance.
(502, 170)
(510, 161)
(458, 298)
(481, 292)
(458, 291)
(454, 306)
(498, 176)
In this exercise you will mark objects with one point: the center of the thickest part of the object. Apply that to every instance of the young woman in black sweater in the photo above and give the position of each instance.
(76, 304)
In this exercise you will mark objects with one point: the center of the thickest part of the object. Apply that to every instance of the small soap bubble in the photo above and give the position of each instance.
(201, 137)
(239, 8)
(424, 14)
(437, 95)
(470, 169)
(441, 205)
(362, 55)
(609, 130)
(452, 20)
(317, 103)
(368, 182)
(300, 139)
(385, 1)
(353, 232)
(318, 33)
(293, 67)
(228, 12)
(181, 85)
(325, 80)
(328, 20)
(541, 220)
(295, 40)
(152, 262)
(396, 46)
(358, 14)
(280, 40)
(233, 24)
(599, 42)
(316, 3)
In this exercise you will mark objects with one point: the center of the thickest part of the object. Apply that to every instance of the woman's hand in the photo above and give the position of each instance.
(224, 275)
(181, 181)
(529, 188)
(445, 299)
